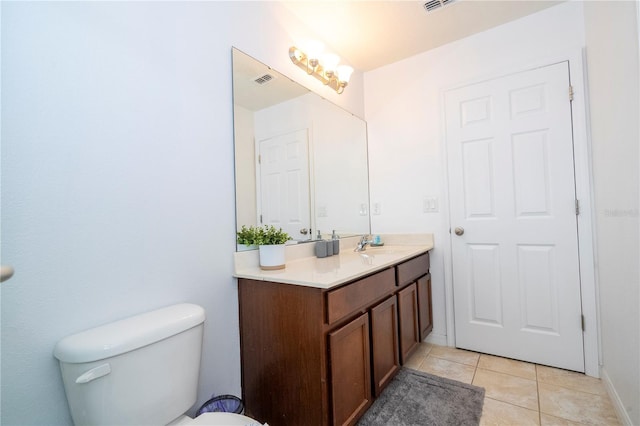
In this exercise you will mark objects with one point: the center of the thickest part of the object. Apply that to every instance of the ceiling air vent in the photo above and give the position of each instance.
(432, 5)
(263, 79)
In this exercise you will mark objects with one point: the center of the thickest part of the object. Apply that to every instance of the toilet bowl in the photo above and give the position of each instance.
(141, 370)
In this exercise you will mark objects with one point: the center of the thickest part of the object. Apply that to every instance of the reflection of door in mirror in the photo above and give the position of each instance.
(283, 184)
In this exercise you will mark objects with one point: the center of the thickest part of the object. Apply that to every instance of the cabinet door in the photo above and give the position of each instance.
(350, 354)
(408, 318)
(384, 343)
(424, 306)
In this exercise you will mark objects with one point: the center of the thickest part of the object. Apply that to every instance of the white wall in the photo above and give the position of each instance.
(403, 113)
(612, 60)
(117, 175)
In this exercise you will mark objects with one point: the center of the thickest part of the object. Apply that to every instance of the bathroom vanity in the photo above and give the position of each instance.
(320, 340)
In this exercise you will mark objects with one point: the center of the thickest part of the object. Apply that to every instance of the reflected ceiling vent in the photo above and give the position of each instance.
(432, 5)
(264, 79)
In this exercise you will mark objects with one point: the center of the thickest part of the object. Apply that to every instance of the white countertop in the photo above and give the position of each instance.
(303, 268)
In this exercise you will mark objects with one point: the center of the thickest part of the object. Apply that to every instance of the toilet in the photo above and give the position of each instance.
(141, 370)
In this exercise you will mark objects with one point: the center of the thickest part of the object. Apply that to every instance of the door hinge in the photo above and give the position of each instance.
(577, 207)
(260, 218)
(582, 322)
(570, 93)
(259, 159)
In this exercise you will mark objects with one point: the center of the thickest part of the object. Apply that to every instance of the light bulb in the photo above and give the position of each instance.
(330, 63)
(314, 49)
(344, 73)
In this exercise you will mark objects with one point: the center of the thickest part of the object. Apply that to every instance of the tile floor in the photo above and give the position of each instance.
(520, 393)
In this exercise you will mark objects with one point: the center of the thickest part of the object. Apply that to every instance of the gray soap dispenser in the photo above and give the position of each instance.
(336, 242)
(321, 247)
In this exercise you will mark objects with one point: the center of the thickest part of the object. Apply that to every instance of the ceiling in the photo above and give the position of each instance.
(371, 34)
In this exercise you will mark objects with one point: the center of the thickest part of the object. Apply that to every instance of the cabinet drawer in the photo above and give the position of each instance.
(412, 269)
(359, 295)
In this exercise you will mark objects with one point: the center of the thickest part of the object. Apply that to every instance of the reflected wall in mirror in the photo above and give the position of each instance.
(301, 161)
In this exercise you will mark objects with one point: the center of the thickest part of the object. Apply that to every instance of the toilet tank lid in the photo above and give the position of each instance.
(128, 334)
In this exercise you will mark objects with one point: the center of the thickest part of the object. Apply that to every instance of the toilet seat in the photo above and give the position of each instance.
(226, 419)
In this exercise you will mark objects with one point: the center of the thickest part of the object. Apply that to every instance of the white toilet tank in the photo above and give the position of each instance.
(142, 370)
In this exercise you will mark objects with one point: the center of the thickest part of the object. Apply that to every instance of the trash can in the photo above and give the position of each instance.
(222, 403)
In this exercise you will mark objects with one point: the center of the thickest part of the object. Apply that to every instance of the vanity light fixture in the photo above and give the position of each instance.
(323, 67)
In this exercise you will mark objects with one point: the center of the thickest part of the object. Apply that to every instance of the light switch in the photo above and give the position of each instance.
(430, 204)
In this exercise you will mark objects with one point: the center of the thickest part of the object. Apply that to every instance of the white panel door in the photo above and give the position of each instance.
(284, 182)
(516, 280)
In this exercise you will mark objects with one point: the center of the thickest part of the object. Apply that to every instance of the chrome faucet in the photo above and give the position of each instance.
(362, 244)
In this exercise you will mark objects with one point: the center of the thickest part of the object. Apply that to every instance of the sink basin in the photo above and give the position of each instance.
(375, 255)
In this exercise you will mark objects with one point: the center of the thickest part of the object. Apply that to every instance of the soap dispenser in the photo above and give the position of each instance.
(336, 242)
(329, 244)
(321, 246)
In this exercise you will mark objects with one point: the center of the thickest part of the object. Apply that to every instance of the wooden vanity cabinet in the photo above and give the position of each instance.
(313, 356)
(284, 356)
(424, 304)
(414, 305)
(384, 343)
(408, 320)
(350, 354)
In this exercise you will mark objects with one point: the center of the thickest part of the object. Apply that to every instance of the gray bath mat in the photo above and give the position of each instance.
(414, 398)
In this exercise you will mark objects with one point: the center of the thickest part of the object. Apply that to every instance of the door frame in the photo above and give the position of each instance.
(584, 193)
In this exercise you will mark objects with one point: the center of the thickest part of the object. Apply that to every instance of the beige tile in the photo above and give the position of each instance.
(547, 420)
(418, 356)
(500, 413)
(456, 355)
(414, 362)
(581, 407)
(449, 369)
(424, 348)
(571, 380)
(507, 388)
(508, 366)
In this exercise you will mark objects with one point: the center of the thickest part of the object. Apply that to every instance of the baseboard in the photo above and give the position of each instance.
(437, 339)
(623, 416)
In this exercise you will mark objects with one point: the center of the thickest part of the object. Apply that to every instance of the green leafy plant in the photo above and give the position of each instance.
(262, 235)
(245, 235)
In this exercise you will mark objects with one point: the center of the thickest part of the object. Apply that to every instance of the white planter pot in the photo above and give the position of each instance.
(272, 257)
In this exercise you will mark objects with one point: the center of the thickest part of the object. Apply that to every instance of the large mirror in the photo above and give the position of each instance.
(301, 161)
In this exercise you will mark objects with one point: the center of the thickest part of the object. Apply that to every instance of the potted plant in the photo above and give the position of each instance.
(245, 238)
(270, 242)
